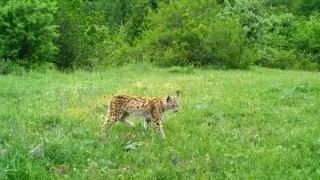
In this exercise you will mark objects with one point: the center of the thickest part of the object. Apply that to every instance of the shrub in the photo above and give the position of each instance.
(83, 35)
(307, 64)
(190, 34)
(28, 31)
(227, 45)
(4, 66)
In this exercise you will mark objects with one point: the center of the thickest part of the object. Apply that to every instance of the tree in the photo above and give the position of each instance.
(83, 34)
(251, 14)
(306, 7)
(190, 33)
(28, 32)
(306, 40)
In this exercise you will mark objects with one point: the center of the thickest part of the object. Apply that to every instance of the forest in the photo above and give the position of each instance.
(65, 35)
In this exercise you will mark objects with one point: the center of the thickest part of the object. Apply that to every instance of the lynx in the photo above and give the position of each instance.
(152, 109)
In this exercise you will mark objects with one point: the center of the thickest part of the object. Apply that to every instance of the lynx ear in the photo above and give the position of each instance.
(168, 98)
(178, 93)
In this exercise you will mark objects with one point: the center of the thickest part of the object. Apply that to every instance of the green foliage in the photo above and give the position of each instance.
(136, 23)
(307, 37)
(5, 66)
(290, 43)
(251, 15)
(276, 43)
(130, 14)
(28, 32)
(184, 33)
(277, 38)
(42, 35)
(182, 70)
(227, 46)
(306, 7)
(83, 34)
(285, 59)
(119, 52)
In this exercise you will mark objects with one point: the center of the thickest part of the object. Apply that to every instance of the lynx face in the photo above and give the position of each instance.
(172, 104)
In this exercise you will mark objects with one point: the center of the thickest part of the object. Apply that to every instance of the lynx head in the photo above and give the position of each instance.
(172, 102)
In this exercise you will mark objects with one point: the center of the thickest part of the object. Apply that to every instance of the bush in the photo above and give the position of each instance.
(277, 58)
(307, 64)
(189, 34)
(83, 35)
(290, 43)
(285, 59)
(227, 46)
(182, 70)
(307, 37)
(28, 31)
(5, 67)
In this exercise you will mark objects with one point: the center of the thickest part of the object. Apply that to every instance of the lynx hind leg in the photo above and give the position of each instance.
(146, 123)
(123, 119)
(110, 119)
(160, 129)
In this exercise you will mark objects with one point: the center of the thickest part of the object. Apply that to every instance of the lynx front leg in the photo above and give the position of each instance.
(146, 123)
(125, 121)
(158, 125)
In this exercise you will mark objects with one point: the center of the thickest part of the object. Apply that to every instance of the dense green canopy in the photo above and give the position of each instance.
(224, 34)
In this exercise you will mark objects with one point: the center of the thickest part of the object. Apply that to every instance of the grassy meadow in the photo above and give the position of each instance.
(255, 124)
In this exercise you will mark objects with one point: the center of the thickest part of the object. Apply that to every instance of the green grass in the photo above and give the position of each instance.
(257, 124)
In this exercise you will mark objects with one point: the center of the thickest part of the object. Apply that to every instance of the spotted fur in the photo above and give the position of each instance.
(152, 109)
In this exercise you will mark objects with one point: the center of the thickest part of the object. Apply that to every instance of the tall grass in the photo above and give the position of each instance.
(234, 124)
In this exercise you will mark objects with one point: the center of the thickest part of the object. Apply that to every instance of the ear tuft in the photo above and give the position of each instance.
(168, 98)
(178, 93)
